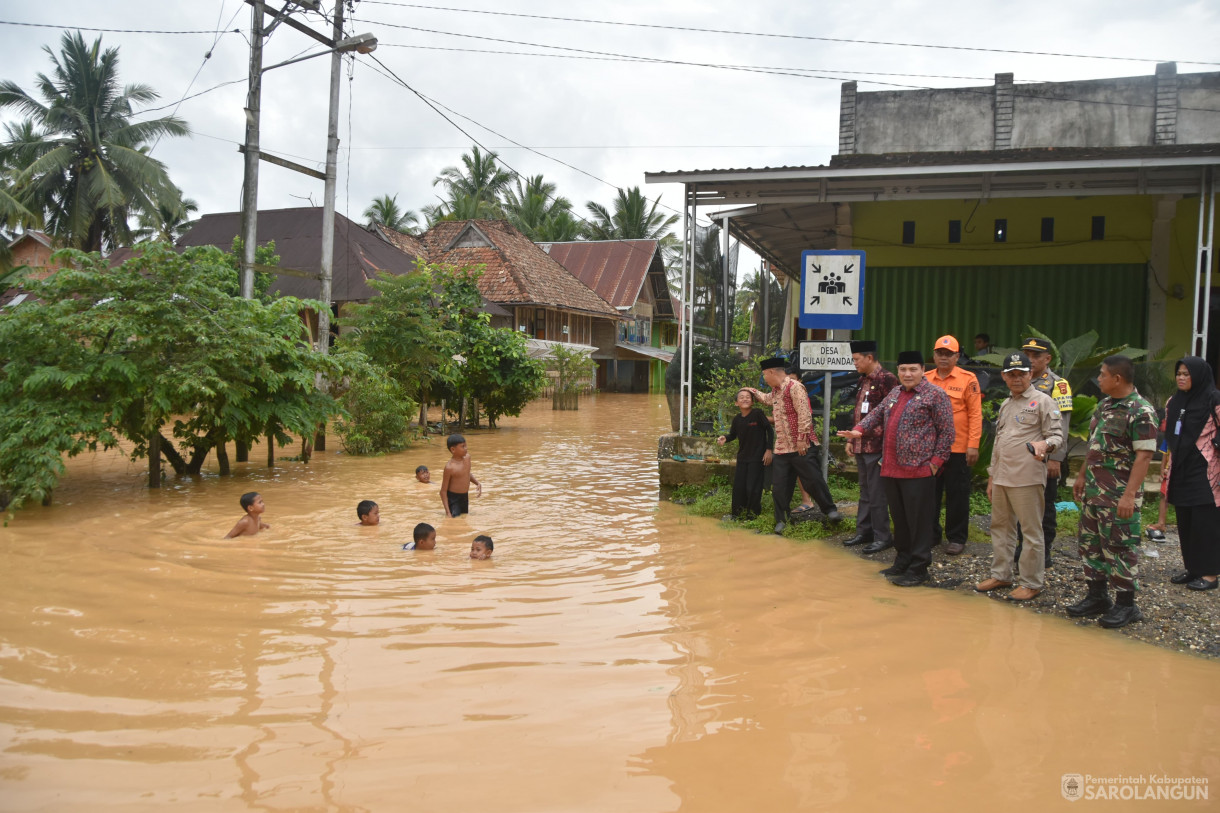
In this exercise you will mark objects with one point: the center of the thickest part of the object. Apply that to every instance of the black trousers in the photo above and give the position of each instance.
(912, 513)
(954, 485)
(1048, 520)
(747, 488)
(785, 468)
(1199, 536)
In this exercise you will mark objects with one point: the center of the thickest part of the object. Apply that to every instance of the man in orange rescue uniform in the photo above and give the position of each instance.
(962, 387)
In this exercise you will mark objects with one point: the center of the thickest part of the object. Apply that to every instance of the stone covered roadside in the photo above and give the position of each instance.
(1174, 617)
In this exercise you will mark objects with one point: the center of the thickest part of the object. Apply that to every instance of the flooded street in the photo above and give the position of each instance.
(613, 655)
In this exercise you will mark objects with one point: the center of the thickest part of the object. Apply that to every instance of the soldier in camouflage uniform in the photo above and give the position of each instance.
(1122, 439)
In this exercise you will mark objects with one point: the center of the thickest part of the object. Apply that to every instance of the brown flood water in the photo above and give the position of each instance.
(614, 655)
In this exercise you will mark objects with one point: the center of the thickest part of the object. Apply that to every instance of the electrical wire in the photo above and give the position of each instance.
(117, 30)
(661, 61)
(807, 37)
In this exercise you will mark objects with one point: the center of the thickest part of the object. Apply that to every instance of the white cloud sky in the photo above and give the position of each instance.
(613, 119)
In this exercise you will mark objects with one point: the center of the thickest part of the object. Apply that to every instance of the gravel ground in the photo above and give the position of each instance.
(1174, 617)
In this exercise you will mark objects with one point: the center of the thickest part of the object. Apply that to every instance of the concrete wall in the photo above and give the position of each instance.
(1161, 108)
(924, 120)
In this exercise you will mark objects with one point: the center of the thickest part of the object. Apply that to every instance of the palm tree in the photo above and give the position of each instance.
(384, 211)
(462, 207)
(88, 168)
(167, 222)
(538, 214)
(633, 219)
(479, 178)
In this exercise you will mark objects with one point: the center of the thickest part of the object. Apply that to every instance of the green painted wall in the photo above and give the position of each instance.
(908, 308)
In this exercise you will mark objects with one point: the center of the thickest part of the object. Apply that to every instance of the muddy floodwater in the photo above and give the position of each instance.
(613, 655)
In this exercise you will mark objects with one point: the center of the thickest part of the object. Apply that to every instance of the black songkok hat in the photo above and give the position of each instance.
(775, 362)
(864, 346)
(910, 357)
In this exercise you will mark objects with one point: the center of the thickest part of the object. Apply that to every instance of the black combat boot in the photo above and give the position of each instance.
(1123, 612)
(1095, 603)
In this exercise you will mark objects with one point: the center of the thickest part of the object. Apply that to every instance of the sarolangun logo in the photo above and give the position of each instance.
(1071, 786)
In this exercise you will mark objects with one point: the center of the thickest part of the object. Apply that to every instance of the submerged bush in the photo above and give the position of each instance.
(379, 413)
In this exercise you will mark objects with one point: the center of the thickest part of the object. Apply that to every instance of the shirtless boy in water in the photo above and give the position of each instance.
(252, 522)
(455, 482)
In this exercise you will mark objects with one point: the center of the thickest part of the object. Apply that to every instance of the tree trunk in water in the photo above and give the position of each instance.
(173, 456)
(222, 459)
(319, 441)
(443, 416)
(423, 415)
(462, 414)
(46, 498)
(271, 451)
(243, 452)
(154, 460)
(306, 450)
(197, 459)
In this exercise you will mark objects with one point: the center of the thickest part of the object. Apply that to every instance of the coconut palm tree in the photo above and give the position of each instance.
(480, 179)
(633, 219)
(384, 211)
(538, 213)
(88, 169)
(167, 222)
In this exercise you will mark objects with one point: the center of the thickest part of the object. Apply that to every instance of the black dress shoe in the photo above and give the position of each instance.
(779, 528)
(834, 516)
(1203, 584)
(1184, 577)
(891, 571)
(858, 539)
(910, 579)
(876, 547)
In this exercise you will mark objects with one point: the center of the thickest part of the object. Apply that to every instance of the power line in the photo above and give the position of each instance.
(437, 108)
(627, 58)
(783, 72)
(117, 30)
(693, 29)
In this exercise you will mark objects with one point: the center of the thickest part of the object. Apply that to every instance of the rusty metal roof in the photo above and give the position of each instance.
(615, 269)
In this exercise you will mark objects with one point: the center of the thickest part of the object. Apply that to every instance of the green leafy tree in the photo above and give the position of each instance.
(473, 190)
(535, 210)
(98, 353)
(378, 411)
(385, 211)
(573, 368)
(85, 168)
(498, 372)
(168, 221)
(404, 329)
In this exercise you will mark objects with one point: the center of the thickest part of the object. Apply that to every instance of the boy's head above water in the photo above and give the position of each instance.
(368, 512)
(252, 503)
(425, 536)
(456, 445)
(481, 547)
(422, 474)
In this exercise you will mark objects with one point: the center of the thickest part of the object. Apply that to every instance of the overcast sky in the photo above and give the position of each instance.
(613, 119)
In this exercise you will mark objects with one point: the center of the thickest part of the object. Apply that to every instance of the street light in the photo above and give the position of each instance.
(361, 44)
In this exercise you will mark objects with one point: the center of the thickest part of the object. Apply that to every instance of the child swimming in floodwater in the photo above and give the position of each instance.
(455, 482)
(424, 538)
(422, 474)
(369, 513)
(252, 522)
(481, 547)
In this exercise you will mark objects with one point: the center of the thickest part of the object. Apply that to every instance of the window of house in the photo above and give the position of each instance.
(1099, 227)
(1048, 229)
(1001, 230)
(955, 231)
(908, 232)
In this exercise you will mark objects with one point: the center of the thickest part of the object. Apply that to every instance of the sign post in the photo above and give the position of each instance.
(832, 298)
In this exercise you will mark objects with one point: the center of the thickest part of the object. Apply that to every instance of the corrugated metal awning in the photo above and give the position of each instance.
(645, 350)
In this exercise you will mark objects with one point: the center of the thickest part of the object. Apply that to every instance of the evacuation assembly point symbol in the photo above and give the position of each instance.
(832, 290)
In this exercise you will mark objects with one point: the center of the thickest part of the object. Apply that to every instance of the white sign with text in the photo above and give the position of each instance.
(829, 356)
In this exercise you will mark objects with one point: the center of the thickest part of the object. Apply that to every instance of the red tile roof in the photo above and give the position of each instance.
(615, 269)
(517, 271)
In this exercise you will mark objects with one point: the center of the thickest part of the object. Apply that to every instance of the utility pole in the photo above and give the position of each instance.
(328, 197)
(249, 189)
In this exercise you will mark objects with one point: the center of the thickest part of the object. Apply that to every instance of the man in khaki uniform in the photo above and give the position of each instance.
(1016, 483)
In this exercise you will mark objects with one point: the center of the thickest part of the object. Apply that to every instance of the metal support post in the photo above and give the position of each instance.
(249, 190)
(1204, 259)
(724, 293)
(690, 322)
(830, 335)
(683, 371)
(764, 283)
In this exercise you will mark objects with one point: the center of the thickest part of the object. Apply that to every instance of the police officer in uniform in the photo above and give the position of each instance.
(1056, 386)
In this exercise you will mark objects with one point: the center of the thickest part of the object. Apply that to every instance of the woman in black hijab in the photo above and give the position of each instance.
(1194, 486)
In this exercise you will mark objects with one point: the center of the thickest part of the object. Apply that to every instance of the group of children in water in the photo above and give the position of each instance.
(455, 497)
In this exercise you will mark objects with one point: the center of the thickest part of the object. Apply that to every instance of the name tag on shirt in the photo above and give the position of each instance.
(864, 409)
